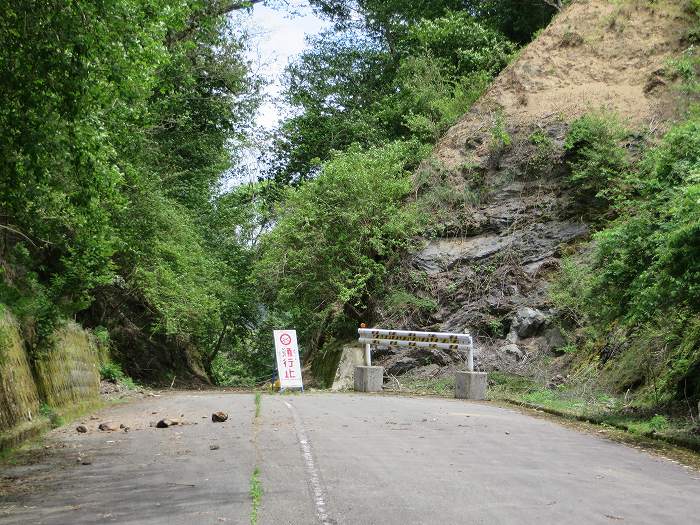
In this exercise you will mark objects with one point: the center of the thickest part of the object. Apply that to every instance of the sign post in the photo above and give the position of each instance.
(288, 364)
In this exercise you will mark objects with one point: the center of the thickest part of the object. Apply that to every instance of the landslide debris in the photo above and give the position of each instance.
(511, 214)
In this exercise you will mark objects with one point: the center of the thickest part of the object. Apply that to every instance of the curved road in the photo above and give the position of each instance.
(345, 459)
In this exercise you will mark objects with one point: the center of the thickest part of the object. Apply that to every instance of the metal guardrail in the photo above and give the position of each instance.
(409, 338)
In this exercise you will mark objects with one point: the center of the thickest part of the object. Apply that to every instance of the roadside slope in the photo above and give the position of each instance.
(504, 210)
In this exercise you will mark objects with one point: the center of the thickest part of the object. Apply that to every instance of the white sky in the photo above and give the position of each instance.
(277, 36)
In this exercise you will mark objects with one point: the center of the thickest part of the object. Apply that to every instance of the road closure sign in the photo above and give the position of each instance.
(288, 365)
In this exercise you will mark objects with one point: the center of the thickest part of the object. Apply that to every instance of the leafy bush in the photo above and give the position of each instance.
(466, 45)
(50, 413)
(111, 372)
(230, 371)
(649, 259)
(500, 138)
(431, 99)
(643, 275)
(597, 160)
(335, 237)
(102, 335)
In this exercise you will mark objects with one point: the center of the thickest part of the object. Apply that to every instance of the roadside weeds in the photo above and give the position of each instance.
(255, 495)
(256, 490)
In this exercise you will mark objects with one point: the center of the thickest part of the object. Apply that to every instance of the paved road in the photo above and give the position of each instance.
(345, 459)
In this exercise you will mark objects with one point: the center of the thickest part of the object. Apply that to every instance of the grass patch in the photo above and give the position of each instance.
(113, 372)
(597, 408)
(255, 495)
(443, 386)
(258, 401)
(50, 413)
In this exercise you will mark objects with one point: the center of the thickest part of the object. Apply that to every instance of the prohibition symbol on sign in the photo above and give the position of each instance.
(285, 339)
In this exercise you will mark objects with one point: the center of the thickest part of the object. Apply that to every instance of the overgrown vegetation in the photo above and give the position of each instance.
(113, 372)
(598, 162)
(607, 410)
(373, 96)
(631, 301)
(255, 492)
(121, 122)
(329, 251)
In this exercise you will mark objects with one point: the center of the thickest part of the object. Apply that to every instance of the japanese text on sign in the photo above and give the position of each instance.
(288, 365)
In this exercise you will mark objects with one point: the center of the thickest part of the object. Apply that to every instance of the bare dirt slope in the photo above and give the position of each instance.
(498, 180)
(597, 54)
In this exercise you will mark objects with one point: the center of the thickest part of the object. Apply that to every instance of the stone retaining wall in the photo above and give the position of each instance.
(66, 376)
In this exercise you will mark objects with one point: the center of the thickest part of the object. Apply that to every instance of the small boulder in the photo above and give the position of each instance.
(527, 322)
(82, 429)
(166, 423)
(513, 350)
(214, 447)
(219, 417)
(108, 426)
(556, 381)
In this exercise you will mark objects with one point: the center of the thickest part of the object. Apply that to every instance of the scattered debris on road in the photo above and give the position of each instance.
(219, 417)
(214, 447)
(83, 461)
(165, 423)
(108, 426)
(82, 429)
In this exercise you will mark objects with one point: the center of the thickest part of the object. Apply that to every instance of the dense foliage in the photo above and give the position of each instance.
(118, 120)
(644, 272)
(631, 298)
(361, 86)
(329, 251)
(371, 97)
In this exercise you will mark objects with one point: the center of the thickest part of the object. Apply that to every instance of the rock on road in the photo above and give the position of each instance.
(343, 459)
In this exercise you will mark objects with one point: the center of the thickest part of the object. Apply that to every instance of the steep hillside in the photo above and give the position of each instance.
(504, 211)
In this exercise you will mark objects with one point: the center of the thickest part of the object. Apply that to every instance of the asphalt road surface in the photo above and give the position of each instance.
(345, 459)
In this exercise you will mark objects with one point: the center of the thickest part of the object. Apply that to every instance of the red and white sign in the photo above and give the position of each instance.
(288, 365)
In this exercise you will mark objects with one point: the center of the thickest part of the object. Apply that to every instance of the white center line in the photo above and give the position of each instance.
(319, 494)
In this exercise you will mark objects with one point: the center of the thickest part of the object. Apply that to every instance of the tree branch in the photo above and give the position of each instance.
(213, 9)
(556, 4)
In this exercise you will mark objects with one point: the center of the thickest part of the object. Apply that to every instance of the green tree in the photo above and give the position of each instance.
(335, 236)
(118, 122)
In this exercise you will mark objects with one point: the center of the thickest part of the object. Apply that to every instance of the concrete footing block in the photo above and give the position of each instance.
(369, 378)
(470, 385)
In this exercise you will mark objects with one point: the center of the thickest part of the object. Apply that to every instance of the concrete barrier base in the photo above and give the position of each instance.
(470, 385)
(369, 378)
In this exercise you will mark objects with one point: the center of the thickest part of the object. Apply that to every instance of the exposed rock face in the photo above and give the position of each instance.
(496, 244)
(528, 321)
